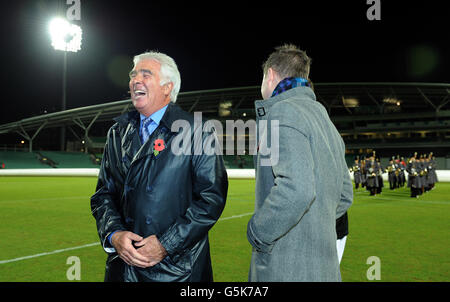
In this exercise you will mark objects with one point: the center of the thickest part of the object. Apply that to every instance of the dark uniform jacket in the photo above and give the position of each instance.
(357, 173)
(414, 169)
(392, 172)
(178, 198)
(432, 176)
(372, 167)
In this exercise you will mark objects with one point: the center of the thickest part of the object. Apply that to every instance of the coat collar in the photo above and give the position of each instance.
(131, 144)
(133, 117)
(262, 107)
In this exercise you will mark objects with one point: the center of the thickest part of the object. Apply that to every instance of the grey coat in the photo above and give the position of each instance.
(300, 193)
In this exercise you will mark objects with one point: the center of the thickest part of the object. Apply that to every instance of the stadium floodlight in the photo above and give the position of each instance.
(65, 36)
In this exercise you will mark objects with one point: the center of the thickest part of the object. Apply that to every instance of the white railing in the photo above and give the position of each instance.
(443, 175)
(232, 173)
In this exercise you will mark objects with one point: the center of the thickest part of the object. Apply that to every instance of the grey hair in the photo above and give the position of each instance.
(169, 70)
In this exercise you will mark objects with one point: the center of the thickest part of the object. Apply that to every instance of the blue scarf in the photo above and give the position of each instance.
(289, 83)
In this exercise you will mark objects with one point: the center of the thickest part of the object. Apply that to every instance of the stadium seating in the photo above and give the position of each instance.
(38, 160)
(21, 160)
(70, 159)
(232, 162)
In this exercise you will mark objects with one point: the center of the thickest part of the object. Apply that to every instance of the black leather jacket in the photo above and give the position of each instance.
(178, 198)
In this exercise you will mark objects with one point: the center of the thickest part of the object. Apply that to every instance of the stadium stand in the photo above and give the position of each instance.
(391, 118)
(70, 159)
(21, 160)
(46, 159)
(238, 161)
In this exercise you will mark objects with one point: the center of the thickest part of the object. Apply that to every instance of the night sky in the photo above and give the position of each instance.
(216, 44)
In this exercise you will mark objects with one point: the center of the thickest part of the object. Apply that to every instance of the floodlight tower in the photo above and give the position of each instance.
(65, 37)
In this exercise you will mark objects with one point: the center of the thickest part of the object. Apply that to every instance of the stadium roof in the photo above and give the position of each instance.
(353, 107)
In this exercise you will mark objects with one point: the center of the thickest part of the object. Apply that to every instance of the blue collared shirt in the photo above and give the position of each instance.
(156, 118)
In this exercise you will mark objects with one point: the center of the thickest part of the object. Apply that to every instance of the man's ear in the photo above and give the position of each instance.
(168, 88)
(272, 77)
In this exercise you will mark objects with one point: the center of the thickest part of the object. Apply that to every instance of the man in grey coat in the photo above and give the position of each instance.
(303, 184)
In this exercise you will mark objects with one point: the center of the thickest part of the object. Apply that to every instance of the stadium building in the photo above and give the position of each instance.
(390, 118)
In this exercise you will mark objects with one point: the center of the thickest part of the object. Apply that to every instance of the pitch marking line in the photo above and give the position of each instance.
(235, 216)
(91, 244)
(49, 253)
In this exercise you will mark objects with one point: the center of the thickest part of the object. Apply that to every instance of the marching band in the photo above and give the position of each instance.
(421, 172)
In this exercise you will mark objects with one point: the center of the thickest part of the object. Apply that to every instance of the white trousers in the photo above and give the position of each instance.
(340, 245)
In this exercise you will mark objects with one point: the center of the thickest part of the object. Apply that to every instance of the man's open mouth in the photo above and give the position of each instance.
(138, 93)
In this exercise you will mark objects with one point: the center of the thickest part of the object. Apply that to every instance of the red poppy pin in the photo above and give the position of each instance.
(158, 146)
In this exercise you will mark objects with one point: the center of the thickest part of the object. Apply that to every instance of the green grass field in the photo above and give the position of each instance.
(49, 219)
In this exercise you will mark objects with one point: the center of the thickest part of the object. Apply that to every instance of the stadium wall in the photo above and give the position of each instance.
(443, 175)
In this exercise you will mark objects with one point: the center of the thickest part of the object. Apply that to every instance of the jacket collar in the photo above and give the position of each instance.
(133, 117)
(127, 117)
(289, 83)
(131, 143)
(262, 107)
(172, 114)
